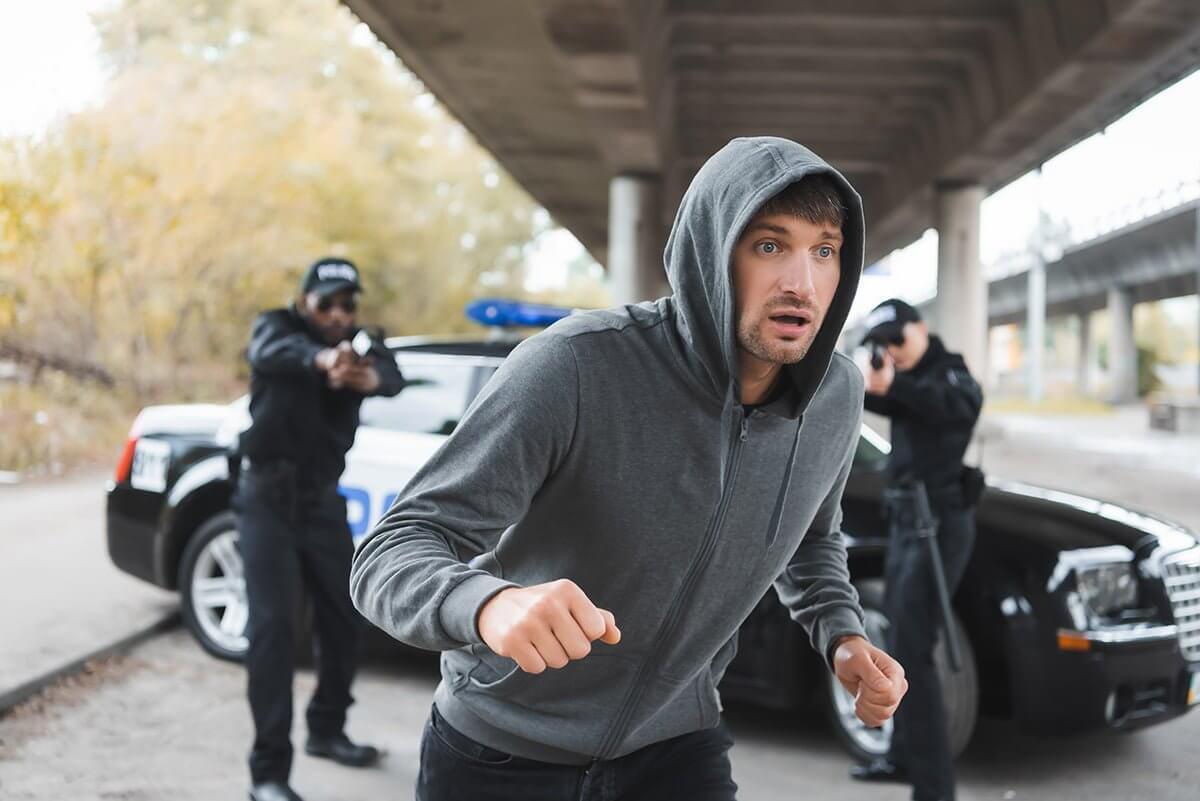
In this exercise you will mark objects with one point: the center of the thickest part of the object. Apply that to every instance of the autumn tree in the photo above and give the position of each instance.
(238, 140)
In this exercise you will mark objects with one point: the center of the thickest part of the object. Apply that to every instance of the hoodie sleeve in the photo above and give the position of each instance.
(815, 587)
(410, 575)
(879, 404)
(278, 349)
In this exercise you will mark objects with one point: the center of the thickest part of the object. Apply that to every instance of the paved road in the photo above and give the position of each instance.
(170, 722)
(62, 598)
(1113, 457)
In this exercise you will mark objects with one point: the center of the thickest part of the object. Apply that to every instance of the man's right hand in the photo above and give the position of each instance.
(546, 625)
(329, 358)
(880, 381)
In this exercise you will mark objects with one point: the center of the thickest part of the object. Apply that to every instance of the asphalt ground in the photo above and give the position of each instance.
(168, 721)
(61, 595)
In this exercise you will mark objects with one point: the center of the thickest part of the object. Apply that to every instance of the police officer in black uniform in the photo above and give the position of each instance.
(309, 375)
(933, 403)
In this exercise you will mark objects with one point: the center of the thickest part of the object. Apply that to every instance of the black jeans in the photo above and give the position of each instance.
(920, 742)
(692, 767)
(290, 534)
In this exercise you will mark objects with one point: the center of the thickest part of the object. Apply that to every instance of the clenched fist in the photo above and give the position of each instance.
(874, 679)
(546, 625)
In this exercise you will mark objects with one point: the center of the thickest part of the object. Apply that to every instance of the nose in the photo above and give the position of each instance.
(797, 277)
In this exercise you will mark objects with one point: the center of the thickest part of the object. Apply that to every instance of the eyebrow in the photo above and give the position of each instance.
(779, 229)
(764, 226)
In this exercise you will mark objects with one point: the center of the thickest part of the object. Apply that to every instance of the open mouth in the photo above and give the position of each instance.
(791, 320)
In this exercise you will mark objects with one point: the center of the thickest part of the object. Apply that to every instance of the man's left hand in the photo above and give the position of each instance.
(874, 679)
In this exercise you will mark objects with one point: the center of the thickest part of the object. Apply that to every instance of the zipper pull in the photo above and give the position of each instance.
(745, 426)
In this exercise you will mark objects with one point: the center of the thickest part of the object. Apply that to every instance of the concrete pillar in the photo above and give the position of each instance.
(1198, 298)
(1122, 348)
(635, 244)
(1083, 368)
(1035, 329)
(961, 308)
(1035, 307)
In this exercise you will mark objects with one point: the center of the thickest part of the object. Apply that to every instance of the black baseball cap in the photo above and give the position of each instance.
(886, 321)
(329, 275)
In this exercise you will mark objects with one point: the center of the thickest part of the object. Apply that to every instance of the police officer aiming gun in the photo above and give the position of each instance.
(311, 367)
(933, 403)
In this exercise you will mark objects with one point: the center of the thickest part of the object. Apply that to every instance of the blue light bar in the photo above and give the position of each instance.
(504, 313)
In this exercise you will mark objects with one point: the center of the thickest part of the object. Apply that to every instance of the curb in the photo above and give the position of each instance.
(22, 692)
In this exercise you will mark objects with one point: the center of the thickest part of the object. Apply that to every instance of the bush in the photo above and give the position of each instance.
(60, 423)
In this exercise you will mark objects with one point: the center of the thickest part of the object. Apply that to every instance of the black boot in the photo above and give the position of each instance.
(340, 749)
(273, 791)
(880, 770)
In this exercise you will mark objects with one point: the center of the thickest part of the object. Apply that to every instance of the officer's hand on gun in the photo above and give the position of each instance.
(881, 373)
(546, 625)
(344, 368)
(874, 679)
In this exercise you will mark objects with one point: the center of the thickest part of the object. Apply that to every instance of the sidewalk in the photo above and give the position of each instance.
(1113, 457)
(63, 598)
(1124, 437)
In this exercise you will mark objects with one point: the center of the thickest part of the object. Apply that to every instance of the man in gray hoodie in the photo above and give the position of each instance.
(586, 544)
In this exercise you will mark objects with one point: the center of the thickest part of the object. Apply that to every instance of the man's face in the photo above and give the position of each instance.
(332, 314)
(785, 274)
(907, 353)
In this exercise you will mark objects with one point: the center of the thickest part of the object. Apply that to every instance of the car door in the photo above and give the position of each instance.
(863, 521)
(398, 435)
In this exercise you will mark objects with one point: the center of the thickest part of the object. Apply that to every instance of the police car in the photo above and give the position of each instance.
(1074, 614)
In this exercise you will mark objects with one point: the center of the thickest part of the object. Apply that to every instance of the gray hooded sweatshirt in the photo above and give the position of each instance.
(612, 450)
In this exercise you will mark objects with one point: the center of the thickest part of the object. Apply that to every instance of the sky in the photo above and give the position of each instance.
(48, 67)
(48, 62)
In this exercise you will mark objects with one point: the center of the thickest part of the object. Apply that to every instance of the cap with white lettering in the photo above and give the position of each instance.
(886, 321)
(329, 275)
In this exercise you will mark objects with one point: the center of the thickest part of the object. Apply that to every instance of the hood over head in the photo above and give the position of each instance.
(721, 200)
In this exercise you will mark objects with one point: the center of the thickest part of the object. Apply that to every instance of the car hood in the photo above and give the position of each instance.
(186, 419)
(1065, 521)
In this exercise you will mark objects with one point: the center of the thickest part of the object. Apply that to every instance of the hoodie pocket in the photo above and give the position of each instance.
(595, 680)
(710, 696)
(575, 703)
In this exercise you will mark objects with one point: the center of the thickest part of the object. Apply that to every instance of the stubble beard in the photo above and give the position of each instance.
(772, 349)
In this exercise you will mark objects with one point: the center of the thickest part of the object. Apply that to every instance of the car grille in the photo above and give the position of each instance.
(1182, 576)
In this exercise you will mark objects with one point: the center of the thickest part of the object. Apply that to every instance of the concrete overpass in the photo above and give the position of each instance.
(1151, 259)
(604, 109)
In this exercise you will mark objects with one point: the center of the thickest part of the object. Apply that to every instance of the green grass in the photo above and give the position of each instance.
(1067, 406)
(59, 424)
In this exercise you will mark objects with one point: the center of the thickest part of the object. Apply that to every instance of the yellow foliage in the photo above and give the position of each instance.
(238, 141)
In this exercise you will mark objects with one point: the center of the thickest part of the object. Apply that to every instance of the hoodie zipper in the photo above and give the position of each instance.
(667, 629)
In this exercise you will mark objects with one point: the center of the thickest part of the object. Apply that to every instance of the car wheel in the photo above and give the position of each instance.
(960, 690)
(212, 590)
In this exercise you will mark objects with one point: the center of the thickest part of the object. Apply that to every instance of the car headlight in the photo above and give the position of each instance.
(1107, 589)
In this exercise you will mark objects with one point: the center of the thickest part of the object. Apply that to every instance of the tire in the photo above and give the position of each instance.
(960, 690)
(212, 592)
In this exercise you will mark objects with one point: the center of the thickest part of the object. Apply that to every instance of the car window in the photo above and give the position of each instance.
(438, 391)
(872, 449)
